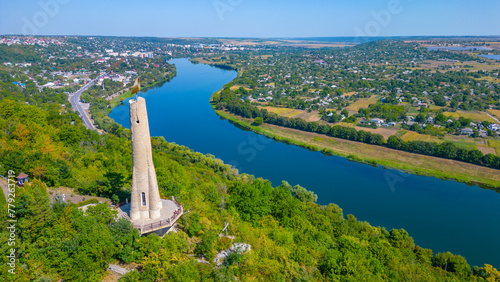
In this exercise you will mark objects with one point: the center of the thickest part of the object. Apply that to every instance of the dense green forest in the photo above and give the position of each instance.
(292, 237)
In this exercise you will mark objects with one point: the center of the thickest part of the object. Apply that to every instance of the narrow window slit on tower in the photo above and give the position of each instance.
(143, 198)
(136, 112)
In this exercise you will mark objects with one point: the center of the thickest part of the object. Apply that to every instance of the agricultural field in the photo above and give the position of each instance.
(211, 60)
(494, 45)
(412, 111)
(312, 116)
(265, 56)
(473, 116)
(496, 113)
(291, 113)
(434, 108)
(468, 144)
(347, 124)
(279, 111)
(432, 65)
(414, 136)
(494, 144)
(280, 42)
(236, 87)
(400, 133)
(476, 66)
(363, 103)
(490, 79)
(349, 94)
(486, 150)
(384, 131)
(295, 114)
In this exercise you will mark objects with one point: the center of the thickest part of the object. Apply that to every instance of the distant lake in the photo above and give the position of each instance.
(493, 57)
(438, 214)
(455, 48)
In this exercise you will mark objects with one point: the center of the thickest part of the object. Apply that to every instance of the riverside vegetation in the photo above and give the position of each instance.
(228, 100)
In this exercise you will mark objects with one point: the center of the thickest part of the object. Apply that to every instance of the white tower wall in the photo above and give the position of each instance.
(145, 200)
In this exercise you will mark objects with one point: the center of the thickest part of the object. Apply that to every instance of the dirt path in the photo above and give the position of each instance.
(71, 196)
(493, 117)
(5, 187)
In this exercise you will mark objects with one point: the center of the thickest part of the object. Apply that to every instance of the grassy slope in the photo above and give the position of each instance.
(119, 99)
(413, 163)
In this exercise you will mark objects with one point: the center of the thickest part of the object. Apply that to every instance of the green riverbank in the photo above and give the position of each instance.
(376, 155)
(127, 94)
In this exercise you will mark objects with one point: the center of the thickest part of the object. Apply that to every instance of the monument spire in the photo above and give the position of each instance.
(145, 200)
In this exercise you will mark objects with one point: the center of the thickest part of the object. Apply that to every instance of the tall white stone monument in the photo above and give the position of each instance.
(145, 200)
(146, 210)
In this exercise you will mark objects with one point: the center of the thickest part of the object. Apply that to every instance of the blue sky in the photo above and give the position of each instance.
(250, 18)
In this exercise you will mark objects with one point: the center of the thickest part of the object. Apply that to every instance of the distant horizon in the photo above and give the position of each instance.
(250, 19)
(242, 37)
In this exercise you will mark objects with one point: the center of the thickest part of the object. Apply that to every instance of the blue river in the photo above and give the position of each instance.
(440, 215)
(493, 57)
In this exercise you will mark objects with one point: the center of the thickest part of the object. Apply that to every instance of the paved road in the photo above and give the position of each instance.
(74, 99)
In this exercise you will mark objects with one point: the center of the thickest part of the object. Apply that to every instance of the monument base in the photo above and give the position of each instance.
(169, 213)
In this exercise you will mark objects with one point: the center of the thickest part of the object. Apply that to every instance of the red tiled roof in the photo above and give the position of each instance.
(22, 175)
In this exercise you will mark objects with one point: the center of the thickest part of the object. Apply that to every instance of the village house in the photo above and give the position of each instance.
(377, 121)
(466, 131)
(494, 127)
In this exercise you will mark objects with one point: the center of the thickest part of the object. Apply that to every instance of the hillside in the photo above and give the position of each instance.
(292, 238)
